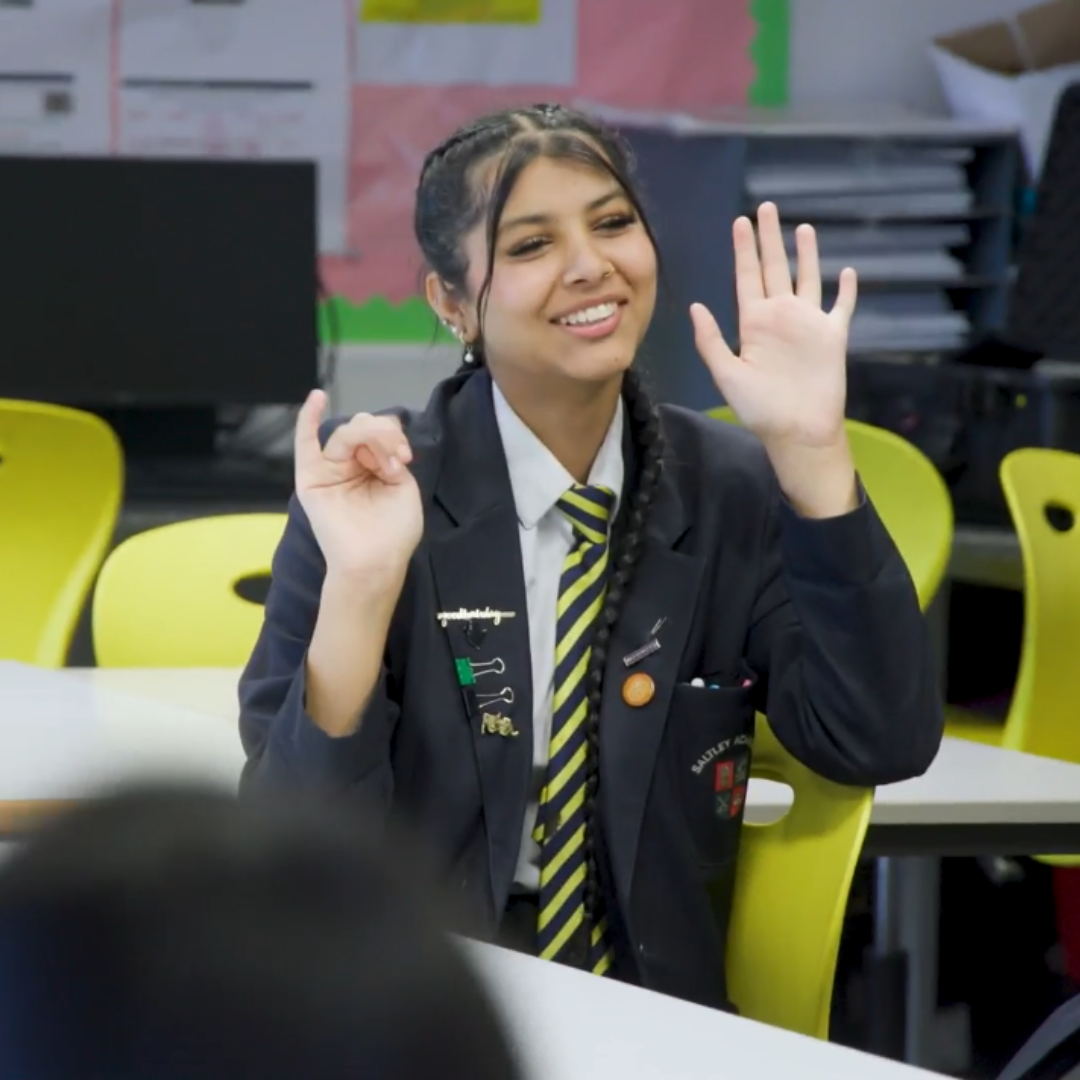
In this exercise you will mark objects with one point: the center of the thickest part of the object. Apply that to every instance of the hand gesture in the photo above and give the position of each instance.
(361, 500)
(788, 383)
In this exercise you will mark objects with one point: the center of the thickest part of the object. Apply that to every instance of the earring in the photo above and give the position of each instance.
(469, 355)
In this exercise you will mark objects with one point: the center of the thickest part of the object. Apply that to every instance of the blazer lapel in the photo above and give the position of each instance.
(663, 591)
(480, 584)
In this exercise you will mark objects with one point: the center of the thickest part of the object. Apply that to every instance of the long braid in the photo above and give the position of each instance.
(649, 445)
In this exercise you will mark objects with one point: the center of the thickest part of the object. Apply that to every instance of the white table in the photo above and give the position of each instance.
(974, 800)
(572, 1026)
(63, 737)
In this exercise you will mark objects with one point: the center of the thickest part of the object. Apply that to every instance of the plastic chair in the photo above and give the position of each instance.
(791, 892)
(61, 484)
(1042, 713)
(909, 495)
(1042, 490)
(168, 597)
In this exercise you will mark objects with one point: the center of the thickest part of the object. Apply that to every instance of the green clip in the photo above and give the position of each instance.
(465, 676)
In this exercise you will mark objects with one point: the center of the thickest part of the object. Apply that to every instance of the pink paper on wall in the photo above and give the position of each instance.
(684, 54)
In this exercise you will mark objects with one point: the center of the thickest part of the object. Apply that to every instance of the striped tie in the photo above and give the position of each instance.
(561, 818)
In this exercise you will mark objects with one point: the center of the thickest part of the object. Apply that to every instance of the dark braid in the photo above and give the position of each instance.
(648, 443)
(451, 200)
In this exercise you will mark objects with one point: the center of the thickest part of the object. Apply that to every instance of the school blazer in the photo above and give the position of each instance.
(815, 623)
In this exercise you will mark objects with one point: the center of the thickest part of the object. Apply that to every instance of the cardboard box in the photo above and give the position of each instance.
(1012, 71)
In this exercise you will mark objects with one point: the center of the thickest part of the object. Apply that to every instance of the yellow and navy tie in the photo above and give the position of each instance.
(561, 819)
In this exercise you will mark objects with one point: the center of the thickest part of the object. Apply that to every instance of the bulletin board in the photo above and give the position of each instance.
(363, 87)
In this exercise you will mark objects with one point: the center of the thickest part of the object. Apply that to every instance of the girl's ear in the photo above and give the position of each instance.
(445, 304)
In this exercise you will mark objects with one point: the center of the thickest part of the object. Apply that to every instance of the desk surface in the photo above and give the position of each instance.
(62, 737)
(188, 717)
(571, 1026)
(986, 555)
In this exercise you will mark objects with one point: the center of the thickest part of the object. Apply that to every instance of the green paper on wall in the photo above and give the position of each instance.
(770, 51)
(379, 321)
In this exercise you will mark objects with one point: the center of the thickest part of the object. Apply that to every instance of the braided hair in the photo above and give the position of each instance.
(450, 202)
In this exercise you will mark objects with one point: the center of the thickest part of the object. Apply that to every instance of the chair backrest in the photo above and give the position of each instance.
(909, 495)
(61, 486)
(1042, 489)
(791, 891)
(168, 597)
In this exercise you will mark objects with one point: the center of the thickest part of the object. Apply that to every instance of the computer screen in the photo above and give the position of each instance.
(157, 282)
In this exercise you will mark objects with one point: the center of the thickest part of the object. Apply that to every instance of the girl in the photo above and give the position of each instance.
(536, 619)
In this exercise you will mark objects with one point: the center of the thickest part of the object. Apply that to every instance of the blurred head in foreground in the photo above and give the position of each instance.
(156, 935)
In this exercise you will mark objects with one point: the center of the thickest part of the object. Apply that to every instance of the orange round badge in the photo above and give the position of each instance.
(638, 690)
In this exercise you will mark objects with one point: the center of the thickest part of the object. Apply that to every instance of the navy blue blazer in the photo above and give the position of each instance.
(815, 623)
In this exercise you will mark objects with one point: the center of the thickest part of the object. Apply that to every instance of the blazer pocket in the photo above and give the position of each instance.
(713, 742)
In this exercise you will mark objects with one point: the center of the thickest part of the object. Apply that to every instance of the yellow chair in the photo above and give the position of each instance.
(61, 485)
(167, 597)
(1042, 713)
(1042, 716)
(909, 495)
(791, 892)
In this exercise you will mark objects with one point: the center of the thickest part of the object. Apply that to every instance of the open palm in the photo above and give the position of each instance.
(789, 381)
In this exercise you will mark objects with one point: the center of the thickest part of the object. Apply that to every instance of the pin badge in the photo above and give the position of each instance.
(497, 724)
(651, 646)
(471, 615)
(638, 690)
(635, 657)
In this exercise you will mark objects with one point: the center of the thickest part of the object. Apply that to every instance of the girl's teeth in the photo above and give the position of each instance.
(590, 315)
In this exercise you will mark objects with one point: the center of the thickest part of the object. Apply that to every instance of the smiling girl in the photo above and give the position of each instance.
(522, 618)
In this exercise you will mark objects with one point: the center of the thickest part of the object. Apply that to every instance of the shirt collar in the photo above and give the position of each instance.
(537, 478)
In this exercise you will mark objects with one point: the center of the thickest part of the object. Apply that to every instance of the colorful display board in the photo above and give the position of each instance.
(364, 87)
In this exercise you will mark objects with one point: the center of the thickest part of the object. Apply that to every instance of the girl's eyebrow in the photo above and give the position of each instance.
(544, 219)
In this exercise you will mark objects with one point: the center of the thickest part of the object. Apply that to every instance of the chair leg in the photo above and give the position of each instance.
(919, 890)
(886, 969)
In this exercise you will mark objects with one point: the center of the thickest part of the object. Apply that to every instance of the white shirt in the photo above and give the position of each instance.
(538, 482)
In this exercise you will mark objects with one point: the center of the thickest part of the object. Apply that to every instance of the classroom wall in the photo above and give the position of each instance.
(378, 376)
(876, 49)
(846, 49)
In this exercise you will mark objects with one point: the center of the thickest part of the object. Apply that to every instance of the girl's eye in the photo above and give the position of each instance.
(615, 222)
(612, 223)
(528, 247)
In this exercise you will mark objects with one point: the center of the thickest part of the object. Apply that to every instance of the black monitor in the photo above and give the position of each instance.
(157, 284)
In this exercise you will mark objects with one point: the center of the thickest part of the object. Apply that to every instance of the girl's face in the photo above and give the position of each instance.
(574, 281)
